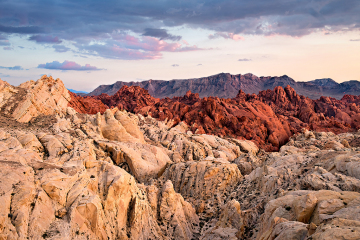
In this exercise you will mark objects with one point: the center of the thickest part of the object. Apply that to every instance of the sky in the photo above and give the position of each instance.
(87, 43)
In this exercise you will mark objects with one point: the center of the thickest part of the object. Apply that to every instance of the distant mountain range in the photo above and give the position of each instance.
(226, 85)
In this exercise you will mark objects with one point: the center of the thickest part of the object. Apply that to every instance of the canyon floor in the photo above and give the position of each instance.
(123, 175)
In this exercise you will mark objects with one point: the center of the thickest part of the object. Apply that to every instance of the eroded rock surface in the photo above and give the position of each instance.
(156, 181)
(46, 96)
(118, 175)
(64, 184)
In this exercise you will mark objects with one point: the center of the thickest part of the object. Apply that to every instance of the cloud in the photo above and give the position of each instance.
(45, 39)
(244, 60)
(150, 44)
(161, 34)
(118, 52)
(189, 49)
(68, 65)
(12, 68)
(128, 47)
(226, 36)
(60, 48)
(92, 25)
(4, 43)
(175, 65)
(4, 40)
(21, 30)
(354, 40)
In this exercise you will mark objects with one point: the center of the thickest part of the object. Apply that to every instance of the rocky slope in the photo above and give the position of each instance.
(269, 119)
(45, 96)
(119, 175)
(226, 85)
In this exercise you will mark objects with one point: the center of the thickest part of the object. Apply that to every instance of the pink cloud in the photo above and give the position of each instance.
(146, 43)
(236, 37)
(125, 46)
(149, 44)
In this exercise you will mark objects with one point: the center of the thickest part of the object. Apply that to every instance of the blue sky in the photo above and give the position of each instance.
(88, 43)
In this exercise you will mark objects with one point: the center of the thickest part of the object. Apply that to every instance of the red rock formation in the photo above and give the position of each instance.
(268, 119)
(86, 104)
(130, 98)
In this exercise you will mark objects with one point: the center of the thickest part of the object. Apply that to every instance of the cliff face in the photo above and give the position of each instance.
(225, 85)
(268, 119)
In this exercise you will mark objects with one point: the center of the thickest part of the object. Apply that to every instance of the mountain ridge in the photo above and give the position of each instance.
(226, 85)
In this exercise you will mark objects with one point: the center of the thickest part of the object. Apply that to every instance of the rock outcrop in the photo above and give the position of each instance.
(46, 96)
(61, 184)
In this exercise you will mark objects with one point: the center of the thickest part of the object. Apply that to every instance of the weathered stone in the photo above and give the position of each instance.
(145, 161)
(204, 184)
(111, 177)
(45, 96)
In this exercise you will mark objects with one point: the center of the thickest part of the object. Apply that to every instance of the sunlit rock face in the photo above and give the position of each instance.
(46, 96)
